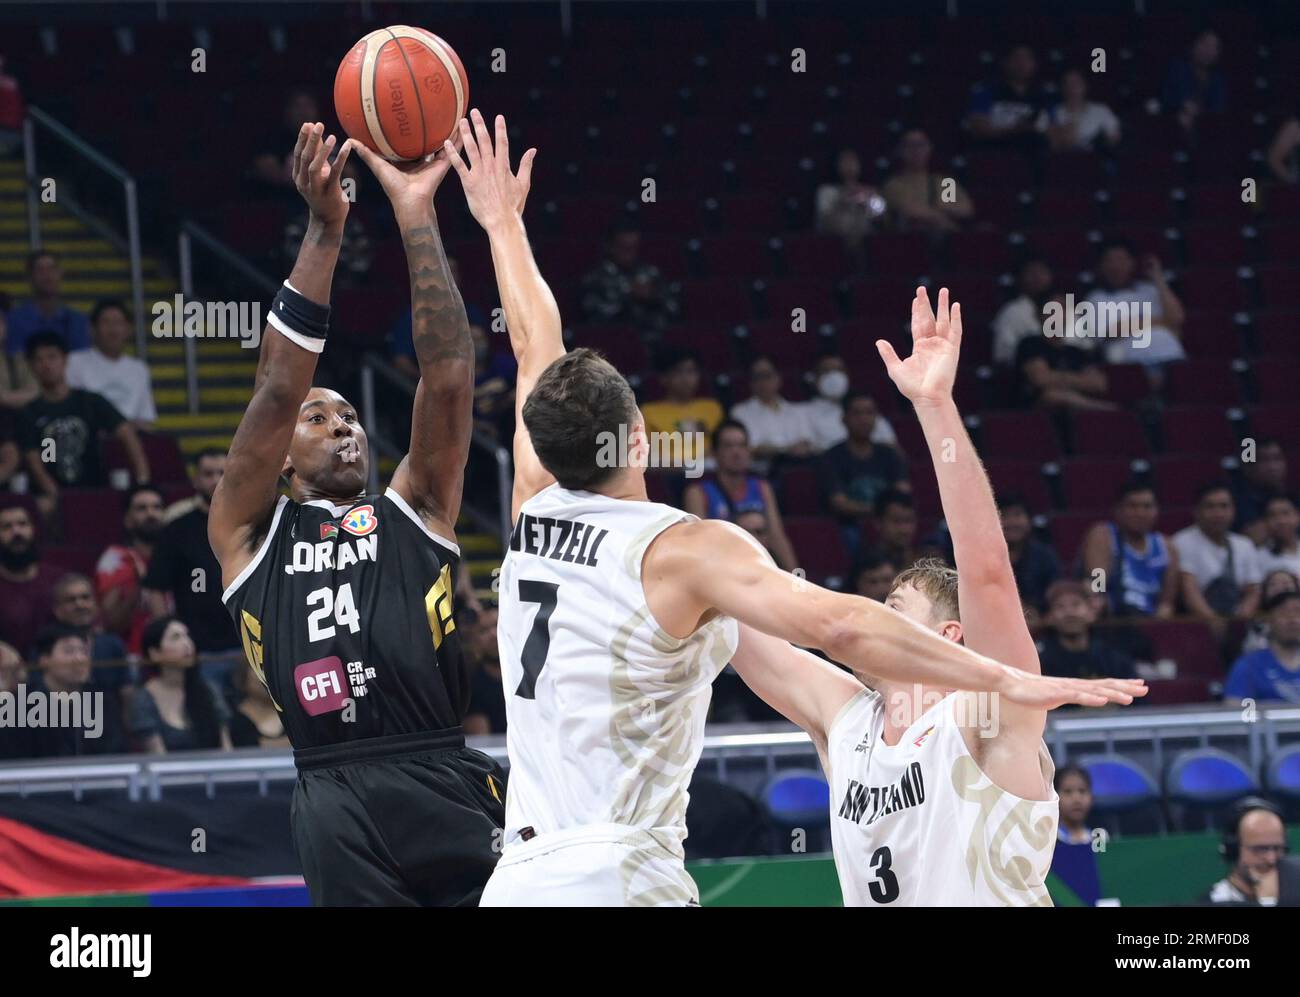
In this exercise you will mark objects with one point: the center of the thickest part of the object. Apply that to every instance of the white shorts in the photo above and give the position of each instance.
(601, 865)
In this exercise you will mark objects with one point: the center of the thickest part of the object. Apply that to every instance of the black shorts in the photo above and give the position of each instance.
(408, 821)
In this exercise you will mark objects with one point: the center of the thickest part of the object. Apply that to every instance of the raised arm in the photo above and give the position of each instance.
(431, 476)
(697, 569)
(244, 500)
(496, 198)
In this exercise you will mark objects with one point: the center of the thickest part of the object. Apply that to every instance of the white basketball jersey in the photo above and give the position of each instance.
(919, 824)
(605, 710)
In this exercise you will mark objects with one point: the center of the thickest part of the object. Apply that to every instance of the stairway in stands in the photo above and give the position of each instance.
(94, 268)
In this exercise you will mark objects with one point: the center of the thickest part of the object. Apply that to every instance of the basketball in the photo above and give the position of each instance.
(401, 90)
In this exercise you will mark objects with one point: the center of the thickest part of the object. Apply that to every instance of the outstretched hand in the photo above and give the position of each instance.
(410, 186)
(494, 194)
(926, 377)
(316, 178)
(1046, 692)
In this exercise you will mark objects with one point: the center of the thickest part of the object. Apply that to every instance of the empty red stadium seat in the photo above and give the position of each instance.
(1117, 433)
(91, 516)
(818, 545)
(1093, 482)
(1028, 435)
(1199, 429)
(1189, 643)
(800, 492)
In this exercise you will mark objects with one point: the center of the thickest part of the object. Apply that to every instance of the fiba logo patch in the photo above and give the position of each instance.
(361, 520)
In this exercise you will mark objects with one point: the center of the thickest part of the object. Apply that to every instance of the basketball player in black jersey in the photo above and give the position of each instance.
(343, 599)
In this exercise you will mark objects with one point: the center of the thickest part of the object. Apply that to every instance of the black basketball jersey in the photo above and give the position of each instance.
(345, 613)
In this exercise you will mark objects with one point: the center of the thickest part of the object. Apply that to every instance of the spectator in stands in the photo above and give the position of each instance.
(1137, 321)
(1055, 374)
(1274, 584)
(356, 249)
(873, 576)
(255, 721)
(184, 578)
(14, 741)
(777, 428)
(1033, 562)
(1271, 674)
(735, 490)
(1284, 151)
(26, 579)
(17, 386)
(59, 431)
(1070, 648)
(495, 372)
(1074, 861)
(1261, 480)
(13, 670)
(63, 669)
(176, 709)
(847, 207)
(487, 702)
(75, 606)
(625, 288)
(1220, 569)
(1133, 568)
(46, 311)
(755, 523)
(682, 409)
(271, 170)
(856, 472)
(1076, 123)
(11, 460)
(895, 521)
(1254, 843)
(1022, 317)
(826, 410)
(1005, 113)
(919, 199)
(1281, 547)
(106, 370)
(12, 112)
(1194, 84)
(120, 571)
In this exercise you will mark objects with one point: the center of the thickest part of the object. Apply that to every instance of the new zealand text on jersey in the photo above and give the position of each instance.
(332, 555)
(873, 802)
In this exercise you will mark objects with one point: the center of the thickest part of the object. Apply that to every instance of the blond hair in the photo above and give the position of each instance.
(935, 580)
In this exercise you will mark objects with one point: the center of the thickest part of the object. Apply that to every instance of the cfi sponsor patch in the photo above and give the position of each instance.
(361, 520)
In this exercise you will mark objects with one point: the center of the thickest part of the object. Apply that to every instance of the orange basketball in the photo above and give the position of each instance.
(401, 90)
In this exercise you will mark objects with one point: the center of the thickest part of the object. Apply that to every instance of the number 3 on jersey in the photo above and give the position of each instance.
(341, 606)
(538, 644)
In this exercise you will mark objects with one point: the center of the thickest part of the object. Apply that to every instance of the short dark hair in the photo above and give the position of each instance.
(871, 559)
(578, 398)
(892, 496)
(854, 396)
(37, 255)
(51, 634)
(1279, 598)
(1107, 245)
(728, 424)
(1210, 488)
(108, 304)
(670, 356)
(46, 337)
(1070, 768)
(1132, 488)
(135, 490)
(207, 452)
(1012, 500)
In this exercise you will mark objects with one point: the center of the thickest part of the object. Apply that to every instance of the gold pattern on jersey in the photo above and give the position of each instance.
(438, 606)
(250, 630)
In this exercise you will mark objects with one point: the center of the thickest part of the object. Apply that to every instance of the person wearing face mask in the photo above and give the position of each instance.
(26, 580)
(825, 412)
(121, 569)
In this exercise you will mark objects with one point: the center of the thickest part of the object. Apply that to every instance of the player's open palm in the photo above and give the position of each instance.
(316, 178)
(926, 376)
(494, 194)
(1047, 692)
(410, 186)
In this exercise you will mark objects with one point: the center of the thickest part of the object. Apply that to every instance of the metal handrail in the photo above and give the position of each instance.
(35, 116)
(189, 233)
(372, 365)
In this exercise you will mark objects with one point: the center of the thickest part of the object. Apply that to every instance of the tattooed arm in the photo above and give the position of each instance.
(432, 474)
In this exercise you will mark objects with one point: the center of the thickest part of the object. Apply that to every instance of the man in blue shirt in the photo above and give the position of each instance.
(1272, 673)
(46, 312)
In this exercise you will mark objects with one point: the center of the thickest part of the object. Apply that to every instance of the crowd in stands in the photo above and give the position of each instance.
(810, 434)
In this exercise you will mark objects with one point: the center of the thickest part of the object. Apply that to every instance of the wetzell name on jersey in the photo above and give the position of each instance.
(567, 540)
(330, 555)
(881, 801)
